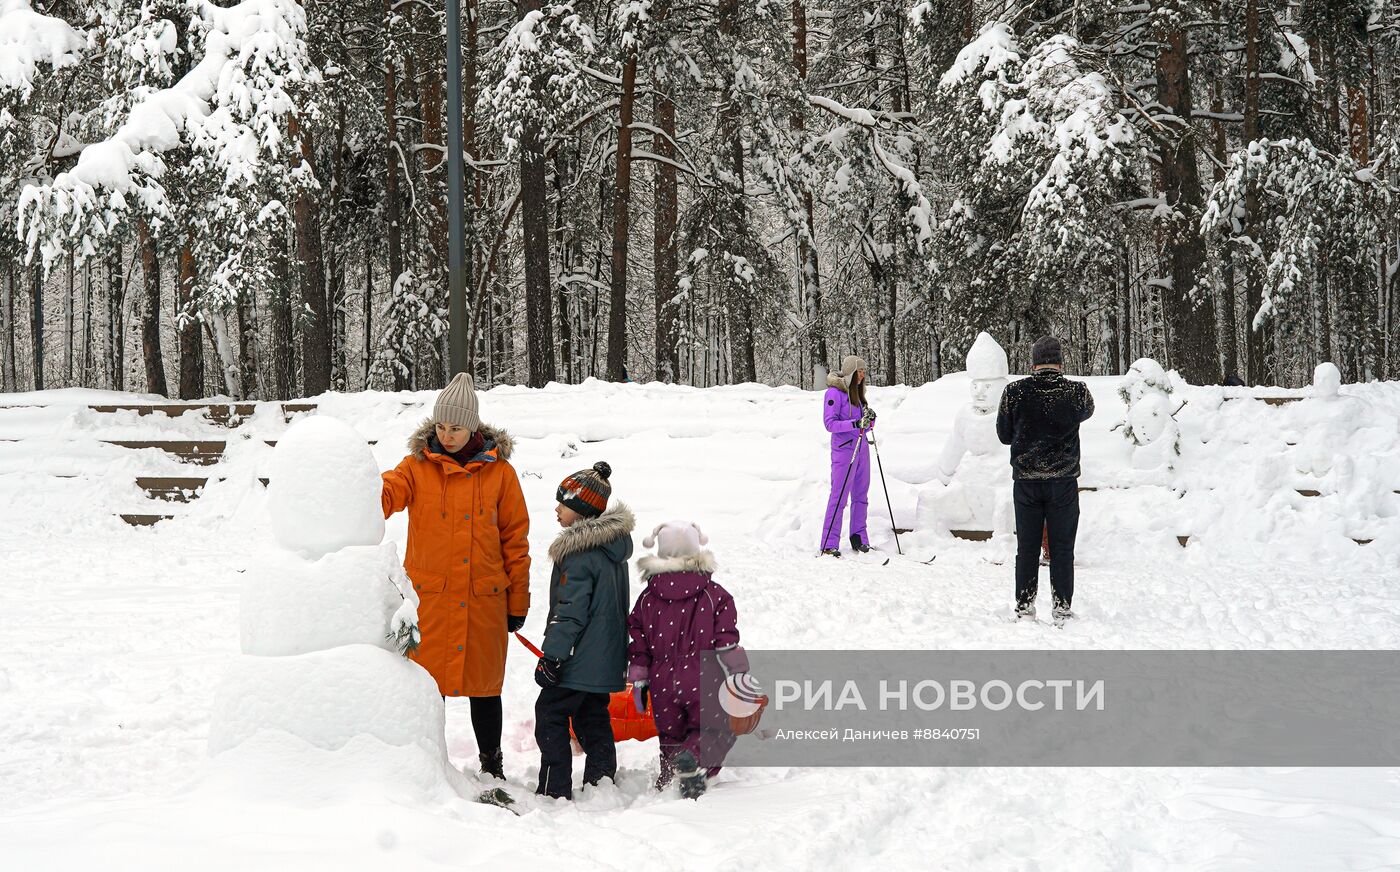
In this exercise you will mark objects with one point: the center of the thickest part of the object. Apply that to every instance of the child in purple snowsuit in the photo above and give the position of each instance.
(847, 416)
(680, 619)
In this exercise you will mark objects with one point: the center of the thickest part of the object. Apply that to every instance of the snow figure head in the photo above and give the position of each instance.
(325, 488)
(676, 539)
(1144, 377)
(988, 369)
(1327, 381)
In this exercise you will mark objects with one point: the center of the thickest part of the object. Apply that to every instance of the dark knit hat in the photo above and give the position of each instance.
(1046, 350)
(587, 490)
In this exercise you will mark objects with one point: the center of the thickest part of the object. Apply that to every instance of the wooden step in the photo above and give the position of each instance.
(972, 535)
(177, 490)
(1303, 492)
(145, 520)
(225, 414)
(205, 452)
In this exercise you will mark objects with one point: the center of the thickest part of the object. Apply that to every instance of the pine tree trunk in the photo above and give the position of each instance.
(247, 345)
(1190, 313)
(809, 269)
(150, 312)
(621, 226)
(739, 300)
(191, 346)
(284, 366)
(116, 292)
(1225, 300)
(1258, 338)
(8, 377)
(315, 334)
(534, 222)
(665, 258)
(36, 325)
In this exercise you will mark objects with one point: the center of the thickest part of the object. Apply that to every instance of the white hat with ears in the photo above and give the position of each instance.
(676, 539)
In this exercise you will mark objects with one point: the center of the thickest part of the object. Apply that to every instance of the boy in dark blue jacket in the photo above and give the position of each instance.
(585, 641)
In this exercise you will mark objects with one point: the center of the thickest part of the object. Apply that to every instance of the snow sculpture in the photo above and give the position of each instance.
(974, 464)
(326, 617)
(1327, 381)
(1149, 421)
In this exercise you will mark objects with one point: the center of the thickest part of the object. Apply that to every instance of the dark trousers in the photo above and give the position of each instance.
(1046, 507)
(589, 713)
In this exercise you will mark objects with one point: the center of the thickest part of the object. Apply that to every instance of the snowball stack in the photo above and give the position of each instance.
(322, 619)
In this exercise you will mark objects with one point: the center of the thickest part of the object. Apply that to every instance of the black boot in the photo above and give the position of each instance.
(493, 764)
(857, 545)
(692, 778)
(831, 552)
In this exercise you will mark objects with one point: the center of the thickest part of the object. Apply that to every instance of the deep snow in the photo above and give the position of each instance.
(116, 639)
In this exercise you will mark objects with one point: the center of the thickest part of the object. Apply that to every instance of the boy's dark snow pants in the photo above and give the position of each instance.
(1048, 506)
(554, 709)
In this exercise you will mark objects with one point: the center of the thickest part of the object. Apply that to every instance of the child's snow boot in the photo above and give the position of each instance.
(858, 546)
(692, 779)
(1025, 611)
(493, 764)
(831, 552)
(1061, 614)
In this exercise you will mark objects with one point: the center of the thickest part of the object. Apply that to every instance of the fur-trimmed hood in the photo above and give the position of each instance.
(613, 526)
(836, 380)
(677, 578)
(651, 565)
(418, 442)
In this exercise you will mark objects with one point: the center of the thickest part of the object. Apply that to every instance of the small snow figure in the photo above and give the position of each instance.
(324, 622)
(1149, 421)
(682, 617)
(973, 461)
(585, 639)
(1327, 381)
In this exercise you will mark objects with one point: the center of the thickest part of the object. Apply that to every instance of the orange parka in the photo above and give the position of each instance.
(467, 555)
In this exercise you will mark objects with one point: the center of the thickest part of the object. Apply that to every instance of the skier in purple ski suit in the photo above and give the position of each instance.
(847, 416)
(680, 619)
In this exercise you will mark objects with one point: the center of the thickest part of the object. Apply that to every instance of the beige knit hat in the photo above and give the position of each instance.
(849, 364)
(457, 404)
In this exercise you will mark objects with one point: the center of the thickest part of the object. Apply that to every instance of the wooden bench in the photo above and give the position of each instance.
(224, 414)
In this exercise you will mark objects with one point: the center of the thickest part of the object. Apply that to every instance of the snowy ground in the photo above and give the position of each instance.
(115, 639)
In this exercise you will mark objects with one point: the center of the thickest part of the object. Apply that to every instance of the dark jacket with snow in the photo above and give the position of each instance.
(588, 598)
(1039, 418)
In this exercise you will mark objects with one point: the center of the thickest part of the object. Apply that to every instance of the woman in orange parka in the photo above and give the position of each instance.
(467, 555)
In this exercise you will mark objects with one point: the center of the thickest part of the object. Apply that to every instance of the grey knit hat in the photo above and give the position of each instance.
(457, 404)
(849, 364)
(1046, 350)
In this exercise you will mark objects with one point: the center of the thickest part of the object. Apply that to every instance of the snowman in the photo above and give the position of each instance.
(974, 464)
(327, 615)
(1149, 419)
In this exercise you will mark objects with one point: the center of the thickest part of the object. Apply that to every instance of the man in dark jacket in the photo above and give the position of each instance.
(1039, 418)
(585, 641)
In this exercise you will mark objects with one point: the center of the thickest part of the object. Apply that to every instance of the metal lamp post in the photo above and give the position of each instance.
(456, 244)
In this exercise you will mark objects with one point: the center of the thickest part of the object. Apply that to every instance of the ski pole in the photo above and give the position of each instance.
(881, 466)
(526, 642)
(841, 495)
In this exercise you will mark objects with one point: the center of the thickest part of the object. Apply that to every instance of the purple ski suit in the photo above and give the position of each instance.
(841, 417)
(681, 618)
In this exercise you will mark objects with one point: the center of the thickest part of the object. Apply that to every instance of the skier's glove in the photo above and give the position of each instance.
(514, 623)
(641, 696)
(547, 672)
(867, 419)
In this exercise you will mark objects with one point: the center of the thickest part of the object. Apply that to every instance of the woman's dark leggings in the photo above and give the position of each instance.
(486, 723)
